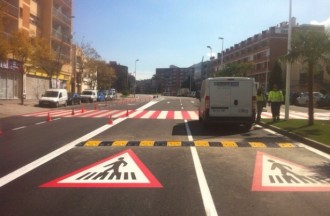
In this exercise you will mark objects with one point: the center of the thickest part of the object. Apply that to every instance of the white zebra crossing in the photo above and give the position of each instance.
(154, 114)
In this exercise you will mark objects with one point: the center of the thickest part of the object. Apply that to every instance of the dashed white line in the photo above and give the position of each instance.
(18, 128)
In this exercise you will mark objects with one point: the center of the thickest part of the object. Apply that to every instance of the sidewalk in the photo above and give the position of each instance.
(13, 107)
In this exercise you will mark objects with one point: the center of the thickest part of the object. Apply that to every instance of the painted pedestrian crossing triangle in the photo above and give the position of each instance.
(155, 114)
(200, 143)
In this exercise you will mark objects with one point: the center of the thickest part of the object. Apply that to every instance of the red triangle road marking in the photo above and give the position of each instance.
(123, 170)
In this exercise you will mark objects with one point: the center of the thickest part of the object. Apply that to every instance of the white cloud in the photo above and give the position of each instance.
(326, 23)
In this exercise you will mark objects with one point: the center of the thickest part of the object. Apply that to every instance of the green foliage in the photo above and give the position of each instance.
(275, 76)
(105, 75)
(311, 48)
(236, 69)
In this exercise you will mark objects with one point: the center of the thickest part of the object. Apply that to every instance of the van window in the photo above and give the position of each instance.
(51, 94)
(60, 94)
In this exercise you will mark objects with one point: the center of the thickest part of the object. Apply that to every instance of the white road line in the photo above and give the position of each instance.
(209, 206)
(203, 186)
(33, 165)
(18, 128)
(39, 123)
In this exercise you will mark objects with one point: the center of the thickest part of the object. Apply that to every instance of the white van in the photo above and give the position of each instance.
(229, 100)
(54, 97)
(89, 95)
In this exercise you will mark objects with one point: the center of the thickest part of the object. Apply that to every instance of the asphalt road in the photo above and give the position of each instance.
(140, 163)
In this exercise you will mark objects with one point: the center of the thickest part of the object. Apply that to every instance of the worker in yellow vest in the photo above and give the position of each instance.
(261, 102)
(275, 99)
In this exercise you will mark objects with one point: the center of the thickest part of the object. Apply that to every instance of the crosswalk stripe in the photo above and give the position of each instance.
(162, 115)
(158, 114)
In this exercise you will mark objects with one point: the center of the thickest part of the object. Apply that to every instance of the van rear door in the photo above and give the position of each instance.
(231, 97)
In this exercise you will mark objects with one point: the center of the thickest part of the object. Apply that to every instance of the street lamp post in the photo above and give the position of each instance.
(288, 68)
(135, 76)
(211, 59)
(222, 39)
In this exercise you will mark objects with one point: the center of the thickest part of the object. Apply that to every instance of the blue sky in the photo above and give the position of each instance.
(161, 33)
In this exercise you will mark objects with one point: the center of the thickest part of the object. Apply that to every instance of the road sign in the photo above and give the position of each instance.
(276, 174)
(123, 170)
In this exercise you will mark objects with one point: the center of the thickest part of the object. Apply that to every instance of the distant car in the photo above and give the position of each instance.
(302, 99)
(324, 101)
(89, 95)
(112, 94)
(74, 98)
(100, 96)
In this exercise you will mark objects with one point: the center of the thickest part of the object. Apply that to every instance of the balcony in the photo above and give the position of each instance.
(61, 36)
(61, 16)
(11, 8)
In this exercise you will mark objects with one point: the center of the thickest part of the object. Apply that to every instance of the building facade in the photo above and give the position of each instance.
(169, 80)
(49, 19)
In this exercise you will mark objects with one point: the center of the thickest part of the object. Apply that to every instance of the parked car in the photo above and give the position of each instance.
(54, 97)
(100, 96)
(302, 99)
(89, 96)
(74, 98)
(324, 101)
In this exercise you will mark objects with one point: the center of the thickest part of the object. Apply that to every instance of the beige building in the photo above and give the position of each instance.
(50, 19)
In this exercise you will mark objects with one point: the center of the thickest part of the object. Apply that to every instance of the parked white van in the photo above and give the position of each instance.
(228, 100)
(89, 95)
(54, 97)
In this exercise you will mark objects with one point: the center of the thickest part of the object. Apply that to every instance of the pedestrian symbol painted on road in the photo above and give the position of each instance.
(276, 174)
(124, 170)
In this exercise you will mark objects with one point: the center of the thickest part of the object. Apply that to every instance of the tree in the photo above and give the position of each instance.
(311, 48)
(105, 75)
(44, 57)
(236, 69)
(89, 64)
(4, 44)
(275, 76)
(21, 49)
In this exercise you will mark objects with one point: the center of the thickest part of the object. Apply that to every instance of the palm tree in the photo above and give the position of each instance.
(311, 48)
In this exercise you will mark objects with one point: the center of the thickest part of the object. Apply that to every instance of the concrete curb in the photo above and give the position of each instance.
(317, 145)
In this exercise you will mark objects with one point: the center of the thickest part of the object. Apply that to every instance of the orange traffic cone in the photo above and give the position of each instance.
(110, 120)
(72, 113)
(49, 119)
(82, 109)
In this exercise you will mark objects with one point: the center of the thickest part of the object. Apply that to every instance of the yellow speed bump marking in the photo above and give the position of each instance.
(229, 144)
(174, 143)
(147, 143)
(201, 143)
(120, 143)
(257, 144)
(92, 143)
(286, 145)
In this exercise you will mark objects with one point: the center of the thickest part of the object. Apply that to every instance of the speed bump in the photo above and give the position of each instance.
(199, 143)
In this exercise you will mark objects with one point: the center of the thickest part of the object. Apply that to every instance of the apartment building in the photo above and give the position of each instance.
(169, 80)
(262, 49)
(50, 19)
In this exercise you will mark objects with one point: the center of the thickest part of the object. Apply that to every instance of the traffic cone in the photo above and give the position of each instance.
(126, 113)
(82, 109)
(110, 120)
(49, 119)
(72, 113)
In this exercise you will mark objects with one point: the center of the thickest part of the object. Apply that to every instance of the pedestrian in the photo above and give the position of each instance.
(261, 102)
(275, 99)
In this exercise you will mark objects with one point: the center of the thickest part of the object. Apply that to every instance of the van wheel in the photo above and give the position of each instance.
(247, 126)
